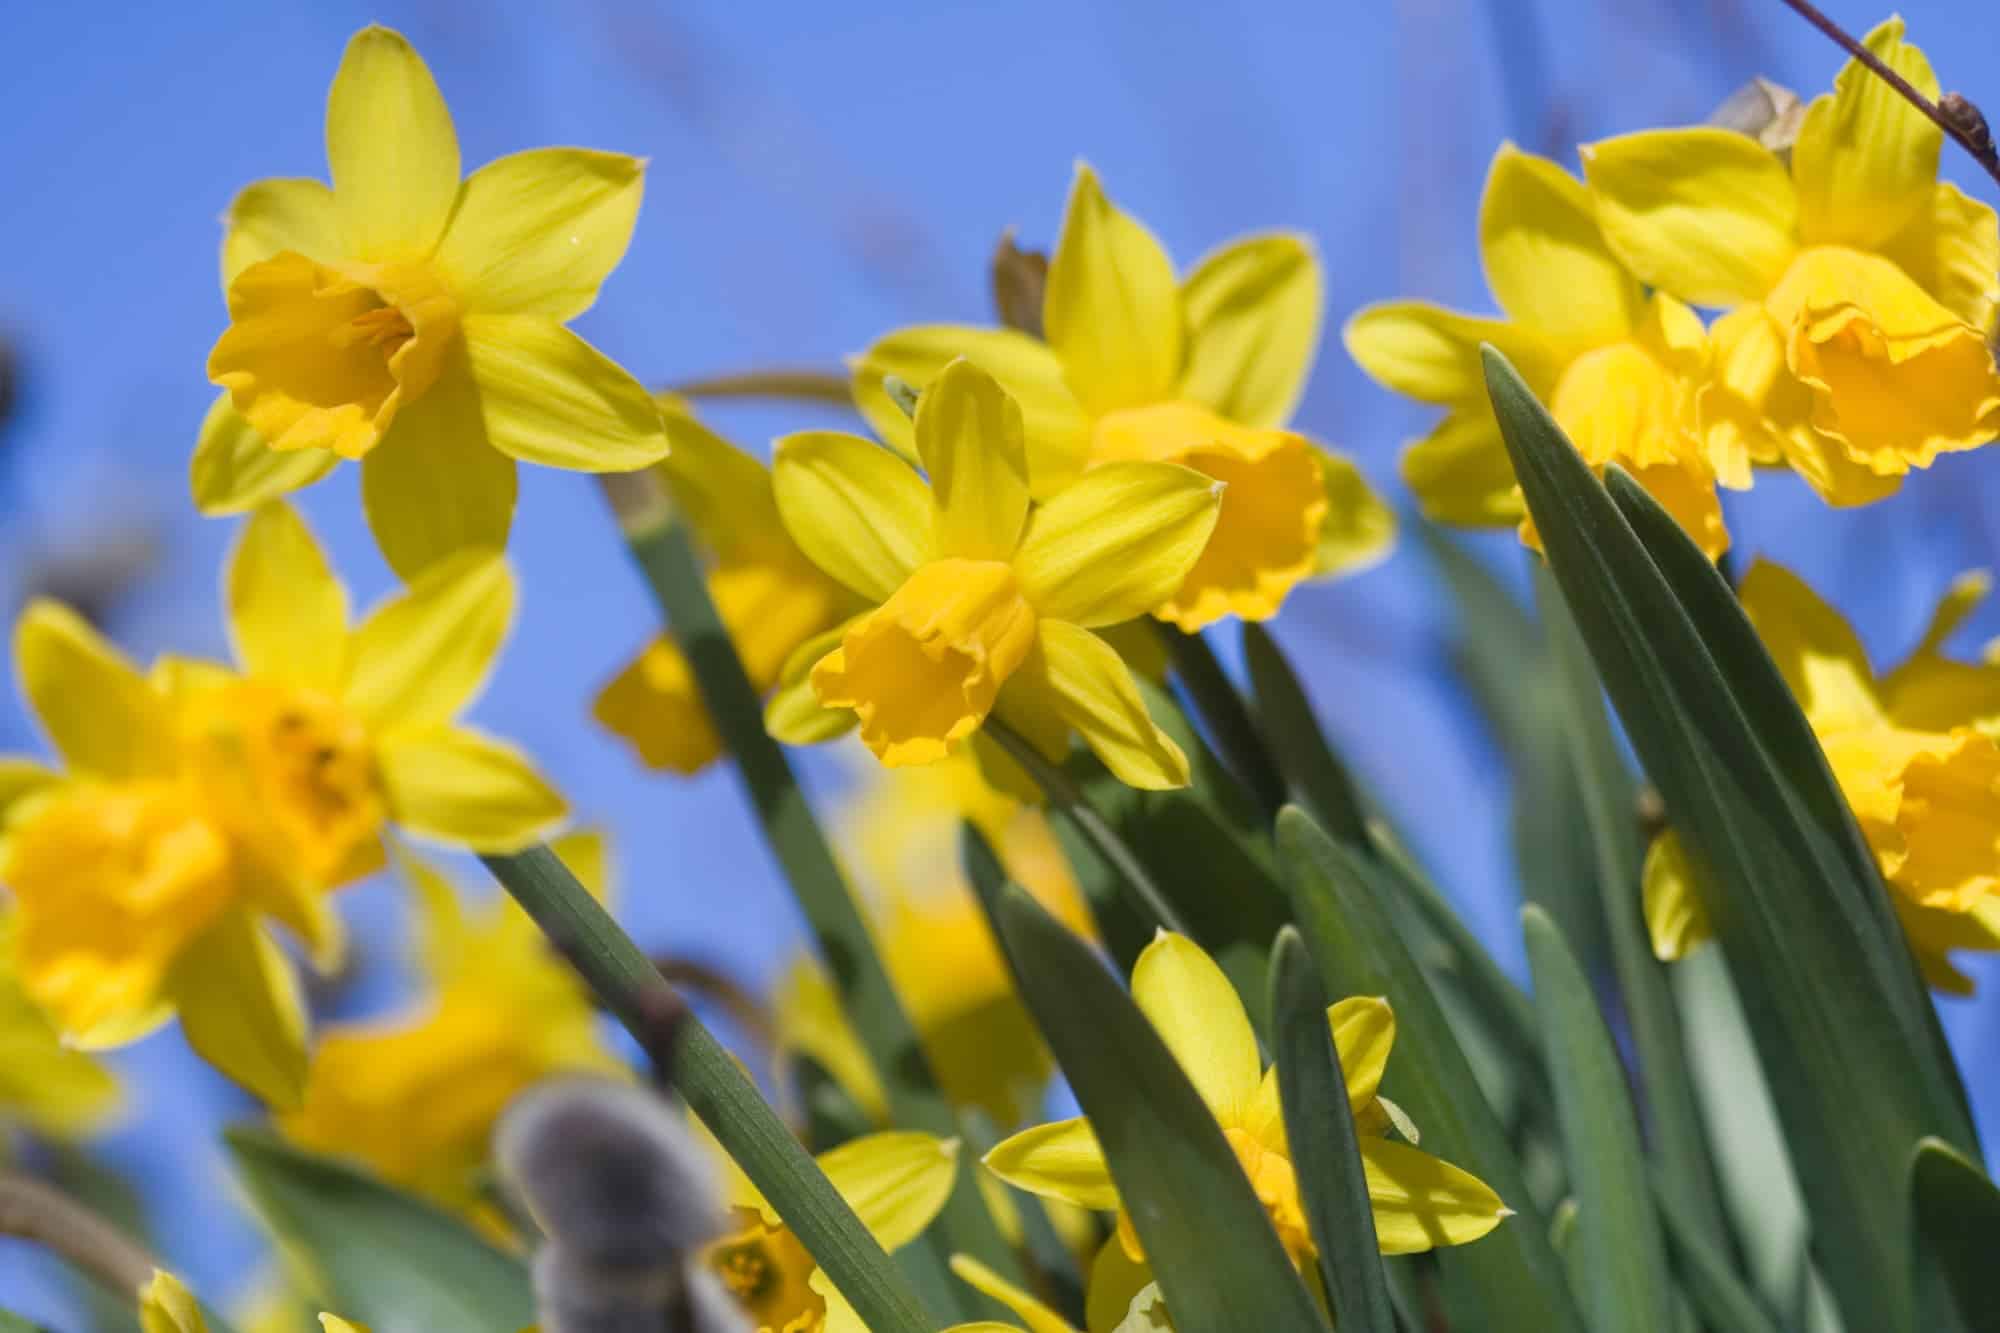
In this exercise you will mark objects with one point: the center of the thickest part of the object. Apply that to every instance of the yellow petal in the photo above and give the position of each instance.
(969, 440)
(1951, 249)
(1197, 1013)
(463, 789)
(807, 1019)
(1057, 433)
(1545, 259)
(1059, 1160)
(20, 779)
(1253, 317)
(1431, 354)
(537, 233)
(435, 486)
(857, 512)
(242, 1010)
(1752, 401)
(1462, 475)
(234, 470)
(420, 656)
(1421, 1203)
(100, 714)
(287, 610)
(1118, 542)
(1817, 651)
(167, 1306)
(333, 1323)
(1112, 309)
(1091, 688)
(794, 715)
(1364, 1030)
(895, 1182)
(273, 216)
(390, 143)
(1035, 1316)
(1359, 529)
(1675, 917)
(1950, 821)
(656, 704)
(549, 397)
(1705, 214)
(1865, 160)
(1116, 1282)
(724, 492)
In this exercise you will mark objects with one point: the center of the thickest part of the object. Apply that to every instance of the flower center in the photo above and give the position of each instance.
(769, 1273)
(1277, 1188)
(322, 357)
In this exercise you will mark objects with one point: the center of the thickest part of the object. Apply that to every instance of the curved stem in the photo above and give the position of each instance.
(822, 386)
(38, 1212)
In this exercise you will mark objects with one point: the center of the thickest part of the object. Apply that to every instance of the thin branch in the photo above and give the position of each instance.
(824, 386)
(732, 995)
(38, 1212)
(1956, 116)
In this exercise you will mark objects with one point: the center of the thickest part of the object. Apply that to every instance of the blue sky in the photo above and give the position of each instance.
(820, 174)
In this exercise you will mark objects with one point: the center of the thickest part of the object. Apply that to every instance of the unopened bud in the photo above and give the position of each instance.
(1768, 112)
(1019, 279)
(1970, 121)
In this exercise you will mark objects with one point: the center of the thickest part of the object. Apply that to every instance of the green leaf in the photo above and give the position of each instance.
(1339, 897)
(374, 1254)
(1238, 740)
(13, 1323)
(1724, 1302)
(1325, 1153)
(1843, 1026)
(1623, 1261)
(1209, 1241)
(1298, 742)
(1958, 1230)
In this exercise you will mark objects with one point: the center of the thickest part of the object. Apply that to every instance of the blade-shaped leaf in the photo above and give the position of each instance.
(1724, 1302)
(376, 1255)
(1319, 1125)
(1623, 1262)
(1958, 1230)
(1338, 897)
(1842, 1024)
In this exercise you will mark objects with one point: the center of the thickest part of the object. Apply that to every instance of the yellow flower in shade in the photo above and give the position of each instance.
(43, 1082)
(132, 900)
(935, 942)
(770, 597)
(895, 1182)
(1917, 754)
(1860, 289)
(1138, 364)
(167, 1306)
(1419, 1201)
(414, 321)
(982, 602)
(1620, 371)
(415, 1096)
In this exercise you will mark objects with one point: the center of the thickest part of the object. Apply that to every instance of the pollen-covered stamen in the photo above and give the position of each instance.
(769, 1273)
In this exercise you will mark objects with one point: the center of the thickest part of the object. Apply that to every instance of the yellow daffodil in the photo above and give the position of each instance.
(895, 1182)
(1137, 364)
(45, 1084)
(1113, 1305)
(1860, 289)
(770, 597)
(415, 1096)
(132, 899)
(414, 321)
(167, 1306)
(935, 942)
(1916, 753)
(1620, 371)
(1419, 1201)
(984, 603)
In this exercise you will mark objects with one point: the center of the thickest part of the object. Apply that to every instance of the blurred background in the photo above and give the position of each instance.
(821, 174)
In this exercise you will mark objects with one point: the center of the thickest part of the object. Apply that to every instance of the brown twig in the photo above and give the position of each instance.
(824, 386)
(38, 1212)
(1956, 116)
(732, 995)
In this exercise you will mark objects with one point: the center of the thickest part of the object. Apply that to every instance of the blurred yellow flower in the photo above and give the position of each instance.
(1916, 753)
(770, 597)
(415, 1096)
(982, 602)
(167, 1306)
(45, 1084)
(1137, 364)
(1620, 371)
(1419, 1201)
(1861, 289)
(414, 321)
(896, 1183)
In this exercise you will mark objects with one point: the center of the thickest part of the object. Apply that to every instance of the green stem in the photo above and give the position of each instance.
(1235, 734)
(1069, 801)
(714, 1087)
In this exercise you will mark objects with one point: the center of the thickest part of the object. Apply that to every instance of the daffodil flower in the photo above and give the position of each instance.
(44, 1083)
(1419, 1201)
(896, 1183)
(167, 1306)
(415, 1095)
(770, 597)
(1138, 364)
(1917, 754)
(1860, 288)
(1619, 370)
(414, 321)
(984, 603)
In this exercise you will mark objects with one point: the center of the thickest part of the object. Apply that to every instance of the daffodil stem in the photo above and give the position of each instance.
(1231, 729)
(714, 1087)
(1072, 804)
(1955, 115)
(820, 386)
